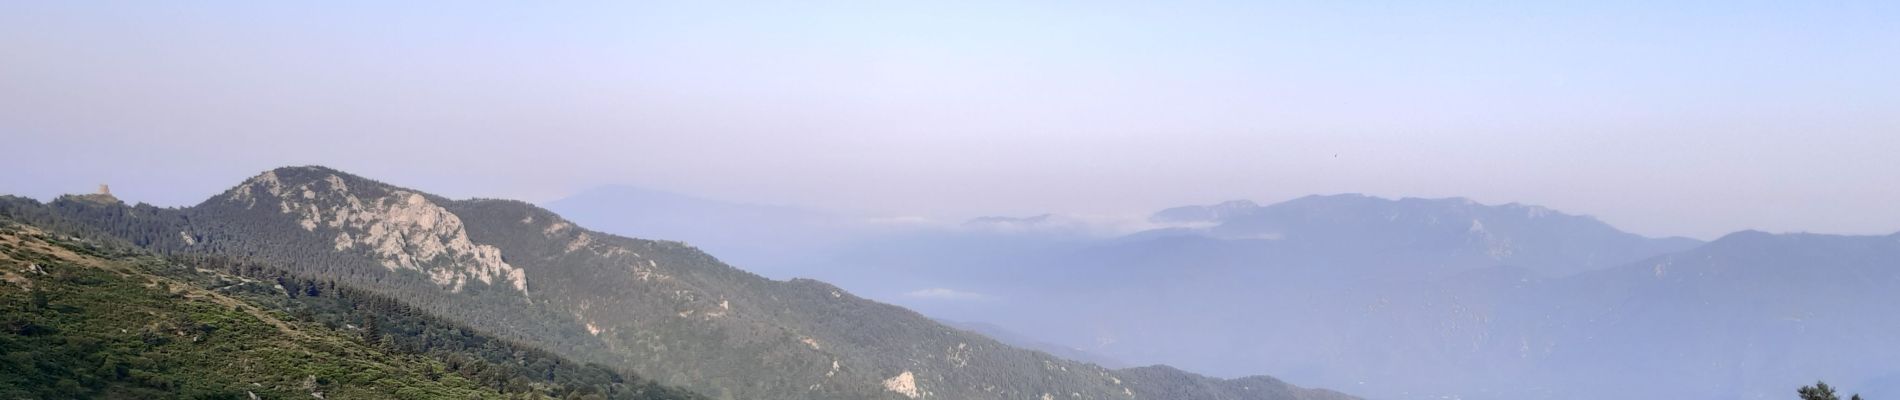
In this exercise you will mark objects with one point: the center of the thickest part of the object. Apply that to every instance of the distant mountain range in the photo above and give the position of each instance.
(1411, 298)
(1454, 234)
(660, 309)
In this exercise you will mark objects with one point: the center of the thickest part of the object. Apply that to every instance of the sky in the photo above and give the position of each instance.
(1689, 118)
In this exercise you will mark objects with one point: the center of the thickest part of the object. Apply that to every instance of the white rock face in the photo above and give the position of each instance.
(266, 182)
(580, 242)
(557, 228)
(724, 307)
(1495, 247)
(958, 356)
(904, 384)
(404, 230)
(650, 272)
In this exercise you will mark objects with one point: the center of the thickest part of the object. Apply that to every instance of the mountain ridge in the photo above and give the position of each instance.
(1512, 233)
(689, 319)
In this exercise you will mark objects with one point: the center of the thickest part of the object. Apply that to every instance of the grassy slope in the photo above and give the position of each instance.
(91, 325)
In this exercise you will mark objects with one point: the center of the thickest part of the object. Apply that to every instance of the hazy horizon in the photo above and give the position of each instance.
(1664, 120)
(917, 218)
(794, 200)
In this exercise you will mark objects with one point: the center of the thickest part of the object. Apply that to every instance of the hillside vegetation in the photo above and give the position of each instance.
(82, 319)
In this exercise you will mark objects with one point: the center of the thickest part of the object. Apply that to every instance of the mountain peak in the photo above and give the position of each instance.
(1744, 235)
(295, 174)
(1213, 213)
(309, 182)
(1338, 197)
(400, 228)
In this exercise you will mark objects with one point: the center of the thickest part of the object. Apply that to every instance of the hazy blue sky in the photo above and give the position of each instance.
(1692, 118)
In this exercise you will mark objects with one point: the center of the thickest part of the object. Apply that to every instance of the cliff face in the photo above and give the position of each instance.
(400, 229)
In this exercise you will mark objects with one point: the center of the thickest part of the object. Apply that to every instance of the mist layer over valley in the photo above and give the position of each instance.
(1405, 298)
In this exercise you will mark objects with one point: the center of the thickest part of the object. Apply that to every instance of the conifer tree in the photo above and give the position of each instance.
(1820, 391)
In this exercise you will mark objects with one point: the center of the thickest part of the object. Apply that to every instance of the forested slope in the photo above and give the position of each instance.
(87, 319)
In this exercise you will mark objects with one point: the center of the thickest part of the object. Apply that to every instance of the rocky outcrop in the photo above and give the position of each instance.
(401, 229)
